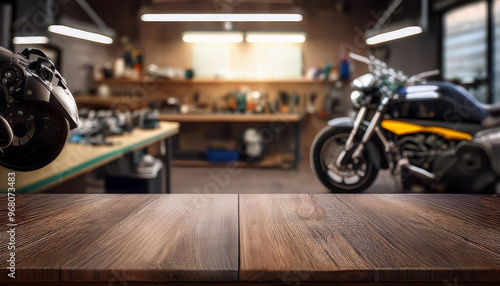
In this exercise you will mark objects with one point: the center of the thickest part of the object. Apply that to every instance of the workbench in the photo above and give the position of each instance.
(151, 239)
(78, 159)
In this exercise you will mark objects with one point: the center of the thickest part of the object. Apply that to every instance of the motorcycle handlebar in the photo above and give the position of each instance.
(382, 67)
(374, 64)
(429, 73)
(360, 58)
(423, 75)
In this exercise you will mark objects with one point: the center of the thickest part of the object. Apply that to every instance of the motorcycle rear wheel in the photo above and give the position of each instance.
(324, 153)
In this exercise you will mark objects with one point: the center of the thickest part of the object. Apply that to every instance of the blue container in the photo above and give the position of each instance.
(222, 156)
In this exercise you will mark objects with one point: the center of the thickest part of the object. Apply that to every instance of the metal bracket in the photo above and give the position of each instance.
(93, 15)
(387, 14)
(424, 16)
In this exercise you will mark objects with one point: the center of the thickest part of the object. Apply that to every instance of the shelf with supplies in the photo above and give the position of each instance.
(206, 95)
(209, 92)
(284, 160)
(122, 102)
(111, 102)
(231, 117)
(151, 80)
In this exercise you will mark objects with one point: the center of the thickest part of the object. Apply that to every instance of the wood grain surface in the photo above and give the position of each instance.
(52, 229)
(306, 239)
(370, 238)
(125, 238)
(237, 283)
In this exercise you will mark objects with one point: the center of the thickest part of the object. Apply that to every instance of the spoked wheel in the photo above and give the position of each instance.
(351, 177)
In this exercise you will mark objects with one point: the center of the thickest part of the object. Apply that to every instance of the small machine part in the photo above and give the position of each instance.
(96, 126)
(148, 119)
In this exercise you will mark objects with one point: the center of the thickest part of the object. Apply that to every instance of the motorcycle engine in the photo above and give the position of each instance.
(422, 149)
(37, 110)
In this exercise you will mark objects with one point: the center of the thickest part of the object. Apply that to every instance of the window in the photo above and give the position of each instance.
(465, 48)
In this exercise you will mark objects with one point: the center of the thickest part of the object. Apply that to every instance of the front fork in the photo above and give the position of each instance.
(372, 128)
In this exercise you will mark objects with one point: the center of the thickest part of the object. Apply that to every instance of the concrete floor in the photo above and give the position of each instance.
(254, 180)
(203, 180)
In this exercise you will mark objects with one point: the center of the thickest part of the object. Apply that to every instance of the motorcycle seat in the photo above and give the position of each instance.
(493, 109)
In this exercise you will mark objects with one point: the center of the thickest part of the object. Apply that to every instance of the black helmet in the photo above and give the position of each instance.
(37, 110)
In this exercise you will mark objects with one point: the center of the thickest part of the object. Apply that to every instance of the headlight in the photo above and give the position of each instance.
(364, 83)
(357, 98)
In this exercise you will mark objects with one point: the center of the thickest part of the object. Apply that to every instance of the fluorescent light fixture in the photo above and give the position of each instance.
(275, 37)
(30, 40)
(80, 34)
(221, 17)
(212, 37)
(393, 35)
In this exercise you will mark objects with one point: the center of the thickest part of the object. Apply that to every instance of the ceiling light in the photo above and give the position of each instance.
(30, 40)
(266, 37)
(80, 34)
(393, 35)
(221, 17)
(212, 37)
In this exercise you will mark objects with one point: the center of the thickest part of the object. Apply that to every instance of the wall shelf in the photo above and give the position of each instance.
(148, 80)
(230, 117)
(114, 102)
(111, 102)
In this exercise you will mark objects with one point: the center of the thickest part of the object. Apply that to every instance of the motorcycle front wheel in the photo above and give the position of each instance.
(349, 178)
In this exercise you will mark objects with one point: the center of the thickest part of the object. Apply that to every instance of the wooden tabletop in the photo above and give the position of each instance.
(290, 239)
(123, 238)
(370, 238)
(77, 159)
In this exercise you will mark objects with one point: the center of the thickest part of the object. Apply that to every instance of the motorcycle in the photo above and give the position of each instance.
(434, 134)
